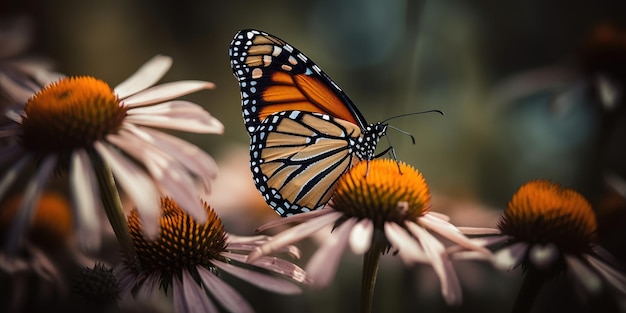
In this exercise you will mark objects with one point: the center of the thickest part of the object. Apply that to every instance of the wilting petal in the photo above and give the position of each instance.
(510, 257)
(189, 297)
(30, 199)
(137, 185)
(408, 249)
(448, 230)
(294, 234)
(147, 75)
(226, 295)
(166, 92)
(302, 217)
(260, 280)
(86, 196)
(361, 236)
(323, 264)
(450, 286)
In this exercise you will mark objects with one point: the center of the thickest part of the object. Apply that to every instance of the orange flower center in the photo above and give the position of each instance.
(382, 190)
(543, 212)
(183, 243)
(72, 112)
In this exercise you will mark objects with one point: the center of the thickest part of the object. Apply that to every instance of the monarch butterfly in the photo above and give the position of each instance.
(304, 130)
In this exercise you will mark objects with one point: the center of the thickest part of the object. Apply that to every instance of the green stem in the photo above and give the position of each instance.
(533, 281)
(370, 270)
(114, 210)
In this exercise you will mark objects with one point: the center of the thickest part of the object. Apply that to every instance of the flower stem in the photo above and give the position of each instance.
(533, 281)
(370, 270)
(114, 210)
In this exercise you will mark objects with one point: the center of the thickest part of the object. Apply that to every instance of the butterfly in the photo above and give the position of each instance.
(304, 130)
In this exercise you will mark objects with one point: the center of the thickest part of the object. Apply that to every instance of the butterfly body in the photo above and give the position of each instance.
(304, 130)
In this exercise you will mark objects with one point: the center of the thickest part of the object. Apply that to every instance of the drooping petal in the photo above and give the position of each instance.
(510, 257)
(137, 185)
(361, 236)
(226, 295)
(434, 249)
(408, 249)
(176, 115)
(31, 197)
(323, 264)
(167, 91)
(86, 199)
(146, 76)
(295, 218)
(260, 280)
(294, 234)
(449, 231)
(273, 264)
(166, 172)
(585, 276)
(189, 296)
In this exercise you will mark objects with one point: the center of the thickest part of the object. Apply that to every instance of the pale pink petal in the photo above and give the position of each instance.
(294, 234)
(434, 249)
(273, 264)
(176, 115)
(292, 250)
(125, 278)
(361, 236)
(148, 288)
(584, 275)
(295, 218)
(258, 279)
(189, 297)
(440, 216)
(137, 185)
(15, 91)
(615, 278)
(323, 264)
(166, 172)
(196, 160)
(31, 197)
(45, 78)
(408, 249)
(226, 295)
(543, 256)
(449, 231)
(166, 92)
(479, 231)
(233, 239)
(86, 199)
(147, 75)
(510, 257)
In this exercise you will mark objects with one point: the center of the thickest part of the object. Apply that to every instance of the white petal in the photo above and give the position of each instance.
(361, 236)
(543, 256)
(166, 92)
(408, 249)
(295, 218)
(147, 75)
(448, 230)
(168, 174)
(584, 275)
(137, 185)
(189, 296)
(294, 234)
(260, 280)
(86, 199)
(440, 216)
(274, 264)
(30, 199)
(510, 257)
(226, 295)
(434, 249)
(323, 264)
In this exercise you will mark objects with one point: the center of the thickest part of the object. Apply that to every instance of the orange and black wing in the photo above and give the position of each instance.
(275, 77)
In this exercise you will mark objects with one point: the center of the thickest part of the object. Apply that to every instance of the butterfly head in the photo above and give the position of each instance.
(371, 135)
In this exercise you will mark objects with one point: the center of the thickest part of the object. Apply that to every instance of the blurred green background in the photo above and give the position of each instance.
(508, 76)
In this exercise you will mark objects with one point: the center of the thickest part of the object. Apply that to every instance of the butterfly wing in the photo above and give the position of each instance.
(276, 77)
(297, 157)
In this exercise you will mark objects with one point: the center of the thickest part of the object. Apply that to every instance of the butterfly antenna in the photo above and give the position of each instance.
(402, 132)
(413, 113)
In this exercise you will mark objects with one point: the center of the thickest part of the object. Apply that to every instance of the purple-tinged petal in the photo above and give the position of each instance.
(323, 264)
(408, 249)
(294, 234)
(125, 277)
(273, 264)
(361, 236)
(434, 249)
(189, 297)
(293, 251)
(295, 218)
(146, 76)
(15, 91)
(137, 185)
(260, 280)
(584, 275)
(167, 91)
(165, 116)
(31, 197)
(449, 231)
(226, 295)
(510, 257)
(86, 199)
